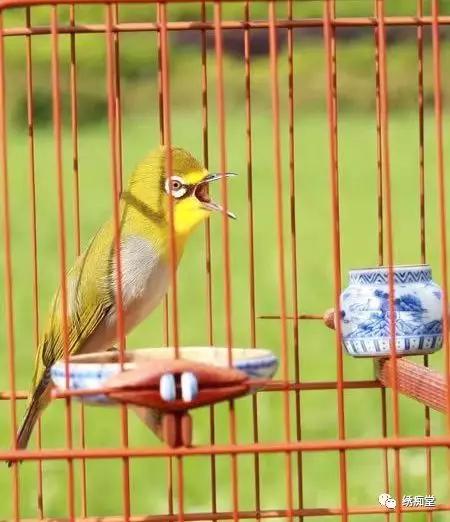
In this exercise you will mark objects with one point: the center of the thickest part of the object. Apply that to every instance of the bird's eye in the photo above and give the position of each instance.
(175, 186)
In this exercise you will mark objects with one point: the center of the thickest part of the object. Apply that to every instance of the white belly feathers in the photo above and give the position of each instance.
(145, 278)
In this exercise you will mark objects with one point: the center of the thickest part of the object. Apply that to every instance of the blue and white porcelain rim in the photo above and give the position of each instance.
(403, 274)
(82, 369)
(257, 359)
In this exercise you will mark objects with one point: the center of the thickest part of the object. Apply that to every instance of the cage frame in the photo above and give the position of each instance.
(112, 28)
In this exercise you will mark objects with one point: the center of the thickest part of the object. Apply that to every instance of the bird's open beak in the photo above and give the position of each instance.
(201, 193)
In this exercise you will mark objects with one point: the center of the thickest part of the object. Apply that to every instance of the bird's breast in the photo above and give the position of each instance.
(144, 278)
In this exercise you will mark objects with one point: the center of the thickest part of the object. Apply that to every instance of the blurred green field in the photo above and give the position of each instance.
(319, 479)
(138, 57)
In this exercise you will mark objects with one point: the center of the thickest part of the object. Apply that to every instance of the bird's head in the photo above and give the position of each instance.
(187, 184)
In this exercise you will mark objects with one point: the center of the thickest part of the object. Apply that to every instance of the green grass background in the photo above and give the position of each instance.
(317, 348)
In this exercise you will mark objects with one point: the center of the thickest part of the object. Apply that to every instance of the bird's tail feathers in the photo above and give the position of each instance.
(35, 406)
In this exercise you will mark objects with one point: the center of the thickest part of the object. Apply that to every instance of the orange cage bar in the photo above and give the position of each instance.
(264, 283)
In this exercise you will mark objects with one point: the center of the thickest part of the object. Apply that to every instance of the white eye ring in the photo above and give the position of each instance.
(175, 186)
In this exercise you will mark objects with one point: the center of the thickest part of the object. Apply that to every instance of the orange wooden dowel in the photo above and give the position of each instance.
(418, 382)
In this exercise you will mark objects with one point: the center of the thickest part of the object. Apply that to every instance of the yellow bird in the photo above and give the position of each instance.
(145, 266)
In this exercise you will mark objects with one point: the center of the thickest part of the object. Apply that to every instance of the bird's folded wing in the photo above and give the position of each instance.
(89, 300)
(80, 327)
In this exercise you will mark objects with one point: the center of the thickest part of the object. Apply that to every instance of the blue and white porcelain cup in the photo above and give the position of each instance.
(365, 316)
(91, 371)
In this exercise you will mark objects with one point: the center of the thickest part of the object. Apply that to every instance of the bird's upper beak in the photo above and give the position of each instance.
(201, 193)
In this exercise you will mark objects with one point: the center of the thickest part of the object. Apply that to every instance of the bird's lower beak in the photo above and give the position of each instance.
(201, 193)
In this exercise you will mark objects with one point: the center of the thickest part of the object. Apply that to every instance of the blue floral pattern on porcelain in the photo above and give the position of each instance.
(365, 312)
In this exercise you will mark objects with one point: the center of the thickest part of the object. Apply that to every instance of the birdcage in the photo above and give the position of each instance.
(332, 114)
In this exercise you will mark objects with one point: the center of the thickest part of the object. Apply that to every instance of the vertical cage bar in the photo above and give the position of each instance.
(280, 238)
(208, 267)
(380, 225)
(385, 164)
(160, 92)
(170, 485)
(384, 111)
(422, 222)
(205, 145)
(251, 241)
(180, 491)
(8, 278)
(330, 50)
(294, 271)
(116, 34)
(212, 440)
(115, 184)
(167, 133)
(74, 129)
(166, 332)
(223, 168)
(33, 227)
(379, 146)
(419, 31)
(225, 232)
(161, 140)
(173, 255)
(438, 108)
(76, 218)
(249, 158)
(56, 106)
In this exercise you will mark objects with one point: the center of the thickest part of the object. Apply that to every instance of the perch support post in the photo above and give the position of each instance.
(175, 386)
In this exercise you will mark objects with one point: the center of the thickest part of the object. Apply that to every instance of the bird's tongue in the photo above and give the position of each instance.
(201, 193)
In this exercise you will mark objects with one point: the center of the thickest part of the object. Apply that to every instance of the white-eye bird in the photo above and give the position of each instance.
(145, 266)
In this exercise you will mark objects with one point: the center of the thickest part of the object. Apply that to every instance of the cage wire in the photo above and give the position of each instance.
(86, 89)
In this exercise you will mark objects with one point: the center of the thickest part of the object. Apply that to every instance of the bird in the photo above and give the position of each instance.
(91, 283)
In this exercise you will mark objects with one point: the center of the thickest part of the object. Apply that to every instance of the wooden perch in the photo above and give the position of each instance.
(418, 382)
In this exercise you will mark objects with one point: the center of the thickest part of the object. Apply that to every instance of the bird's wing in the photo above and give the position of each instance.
(89, 301)
(80, 327)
